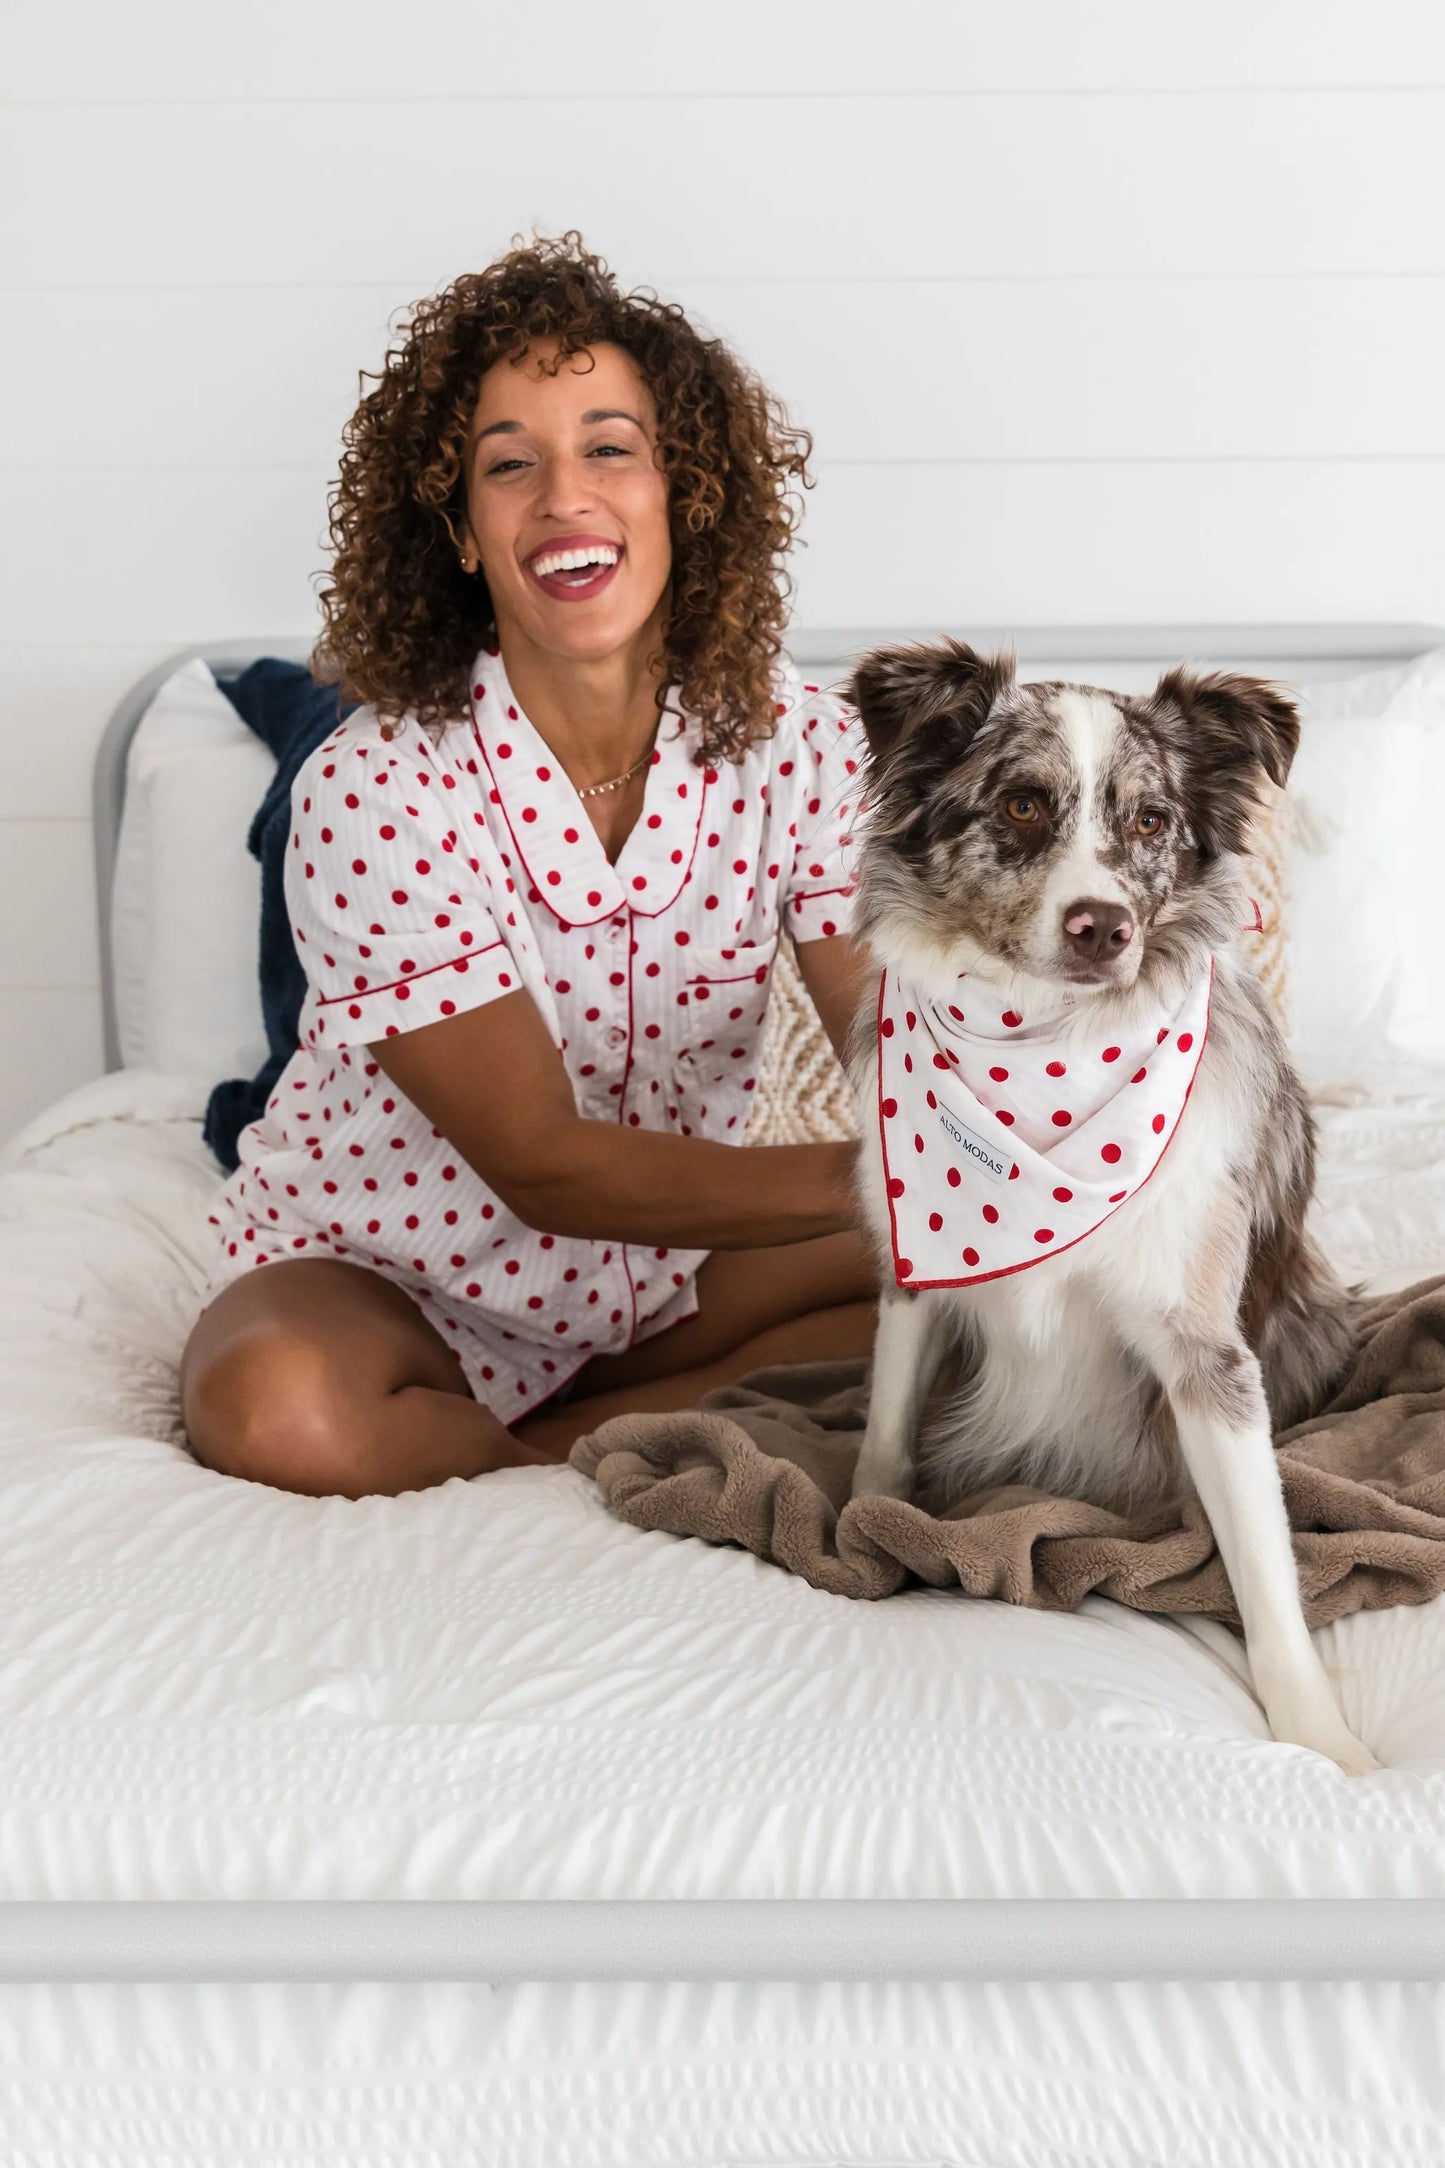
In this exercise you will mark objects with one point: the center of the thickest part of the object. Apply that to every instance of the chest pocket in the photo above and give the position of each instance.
(722, 999)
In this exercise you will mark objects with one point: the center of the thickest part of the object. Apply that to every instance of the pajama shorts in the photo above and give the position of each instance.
(506, 1373)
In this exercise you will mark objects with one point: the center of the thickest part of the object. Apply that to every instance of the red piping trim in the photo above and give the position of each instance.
(744, 978)
(977, 1279)
(621, 1103)
(364, 993)
(571, 918)
(568, 918)
(691, 857)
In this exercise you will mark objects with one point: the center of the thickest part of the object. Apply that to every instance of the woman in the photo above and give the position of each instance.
(537, 882)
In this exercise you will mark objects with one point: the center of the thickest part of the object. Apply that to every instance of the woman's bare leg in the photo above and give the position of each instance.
(846, 1329)
(325, 1378)
(741, 1293)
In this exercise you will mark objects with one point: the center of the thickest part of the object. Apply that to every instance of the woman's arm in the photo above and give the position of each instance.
(839, 974)
(495, 1085)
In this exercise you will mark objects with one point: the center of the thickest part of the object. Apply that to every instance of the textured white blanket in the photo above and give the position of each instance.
(211, 1688)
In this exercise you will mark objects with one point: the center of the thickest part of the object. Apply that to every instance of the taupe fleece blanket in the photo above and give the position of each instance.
(766, 1462)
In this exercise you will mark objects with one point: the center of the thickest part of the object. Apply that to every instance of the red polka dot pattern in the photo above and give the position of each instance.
(989, 1143)
(439, 870)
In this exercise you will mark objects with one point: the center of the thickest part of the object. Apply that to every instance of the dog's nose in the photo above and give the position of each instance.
(1097, 929)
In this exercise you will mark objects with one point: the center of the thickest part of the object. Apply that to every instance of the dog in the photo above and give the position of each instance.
(1085, 1158)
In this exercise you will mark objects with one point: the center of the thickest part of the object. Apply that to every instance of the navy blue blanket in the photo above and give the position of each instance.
(292, 714)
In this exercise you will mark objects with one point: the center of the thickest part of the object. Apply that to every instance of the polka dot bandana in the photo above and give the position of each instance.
(1006, 1137)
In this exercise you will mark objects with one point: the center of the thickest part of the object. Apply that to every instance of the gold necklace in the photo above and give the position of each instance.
(594, 789)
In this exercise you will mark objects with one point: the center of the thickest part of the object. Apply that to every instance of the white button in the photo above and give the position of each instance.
(617, 1036)
(616, 930)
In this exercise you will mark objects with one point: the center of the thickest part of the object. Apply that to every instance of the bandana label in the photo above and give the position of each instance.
(993, 1163)
(1050, 1122)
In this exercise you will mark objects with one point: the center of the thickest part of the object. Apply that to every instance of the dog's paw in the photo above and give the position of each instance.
(1333, 1738)
(882, 1475)
(1353, 1756)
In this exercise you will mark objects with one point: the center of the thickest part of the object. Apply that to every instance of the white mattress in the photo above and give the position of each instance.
(492, 1689)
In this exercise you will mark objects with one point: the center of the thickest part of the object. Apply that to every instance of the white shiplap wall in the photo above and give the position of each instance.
(1125, 312)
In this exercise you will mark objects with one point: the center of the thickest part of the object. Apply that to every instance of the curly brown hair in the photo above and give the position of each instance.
(403, 622)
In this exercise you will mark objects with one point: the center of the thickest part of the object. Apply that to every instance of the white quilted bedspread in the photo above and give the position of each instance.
(212, 1688)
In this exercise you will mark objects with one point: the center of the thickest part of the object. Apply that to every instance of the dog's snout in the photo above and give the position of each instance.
(1097, 929)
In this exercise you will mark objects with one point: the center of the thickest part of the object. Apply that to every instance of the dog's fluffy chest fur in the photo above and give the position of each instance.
(1051, 1393)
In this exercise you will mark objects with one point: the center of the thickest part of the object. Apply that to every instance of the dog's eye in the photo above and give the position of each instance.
(1022, 810)
(1148, 823)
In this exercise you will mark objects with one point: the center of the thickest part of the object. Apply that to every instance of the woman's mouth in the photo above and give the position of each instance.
(575, 575)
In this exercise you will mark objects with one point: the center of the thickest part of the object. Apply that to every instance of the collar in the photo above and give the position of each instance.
(550, 836)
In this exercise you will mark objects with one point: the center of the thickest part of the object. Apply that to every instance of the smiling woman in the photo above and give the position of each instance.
(538, 882)
(573, 567)
(567, 504)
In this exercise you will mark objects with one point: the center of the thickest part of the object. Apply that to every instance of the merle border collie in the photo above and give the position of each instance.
(1086, 1159)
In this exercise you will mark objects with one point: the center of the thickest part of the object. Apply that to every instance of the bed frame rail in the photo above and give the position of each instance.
(726, 1939)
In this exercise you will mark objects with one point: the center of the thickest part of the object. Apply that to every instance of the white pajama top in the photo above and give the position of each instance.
(432, 873)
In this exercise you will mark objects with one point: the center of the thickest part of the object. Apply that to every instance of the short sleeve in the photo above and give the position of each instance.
(818, 899)
(389, 908)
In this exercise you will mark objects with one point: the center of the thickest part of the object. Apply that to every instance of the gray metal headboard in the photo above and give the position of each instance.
(1035, 644)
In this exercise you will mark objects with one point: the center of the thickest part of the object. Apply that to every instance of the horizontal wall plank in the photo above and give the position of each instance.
(1322, 182)
(55, 701)
(1094, 543)
(207, 376)
(168, 557)
(1064, 542)
(1214, 368)
(274, 49)
(50, 1041)
(1217, 368)
(47, 905)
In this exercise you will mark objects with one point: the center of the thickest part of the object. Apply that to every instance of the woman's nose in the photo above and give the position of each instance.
(566, 483)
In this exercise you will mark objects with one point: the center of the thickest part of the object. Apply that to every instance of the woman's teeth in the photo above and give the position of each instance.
(573, 561)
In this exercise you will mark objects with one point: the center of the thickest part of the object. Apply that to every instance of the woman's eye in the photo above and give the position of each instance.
(1148, 823)
(1022, 810)
(503, 464)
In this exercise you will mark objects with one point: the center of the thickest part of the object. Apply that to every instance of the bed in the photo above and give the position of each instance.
(477, 1824)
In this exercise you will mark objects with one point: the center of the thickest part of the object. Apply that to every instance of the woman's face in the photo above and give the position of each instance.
(565, 466)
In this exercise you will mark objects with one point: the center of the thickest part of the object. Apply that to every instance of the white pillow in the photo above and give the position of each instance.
(1366, 975)
(186, 904)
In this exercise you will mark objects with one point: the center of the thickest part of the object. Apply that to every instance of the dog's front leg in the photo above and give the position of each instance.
(906, 1348)
(1217, 1395)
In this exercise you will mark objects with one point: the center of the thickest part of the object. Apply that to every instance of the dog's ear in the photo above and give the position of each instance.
(898, 690)
(1235, 732)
